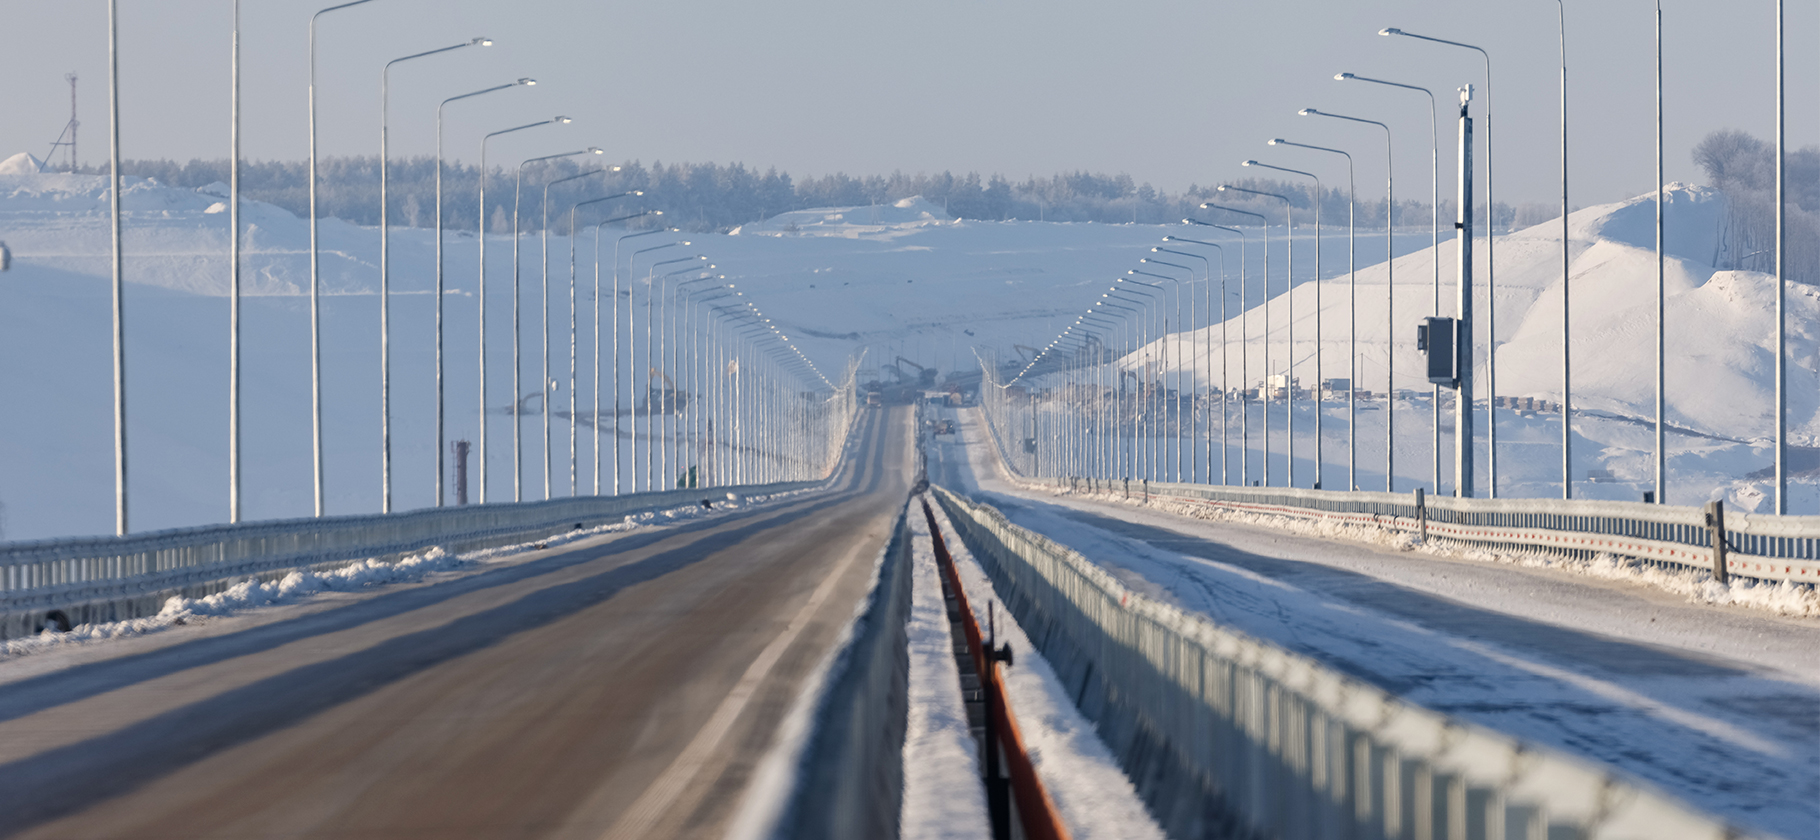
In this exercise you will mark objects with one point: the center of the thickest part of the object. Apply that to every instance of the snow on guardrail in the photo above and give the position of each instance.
(1234, 734)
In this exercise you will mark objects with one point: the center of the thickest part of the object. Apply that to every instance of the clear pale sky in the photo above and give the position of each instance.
(1171, 93)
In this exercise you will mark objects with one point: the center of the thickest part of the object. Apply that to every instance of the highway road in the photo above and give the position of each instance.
(619, 687)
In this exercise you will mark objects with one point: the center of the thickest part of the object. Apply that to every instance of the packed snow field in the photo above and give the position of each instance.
(900, 280)
(1714, 703)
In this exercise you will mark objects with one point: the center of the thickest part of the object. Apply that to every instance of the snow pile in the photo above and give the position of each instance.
(905, 215)
(943, 797)
(1094, 797)
(20, 164)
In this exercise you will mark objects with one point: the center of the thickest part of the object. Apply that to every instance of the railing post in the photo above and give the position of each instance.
(1715, 524)
(1421, 514)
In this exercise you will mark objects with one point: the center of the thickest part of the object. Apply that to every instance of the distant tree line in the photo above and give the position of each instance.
(1744, 167)
(715, 197)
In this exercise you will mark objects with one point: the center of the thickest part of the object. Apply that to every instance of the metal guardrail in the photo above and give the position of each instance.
(1759, 546)
(49, 574)
(1230, 735)
(1764, 547)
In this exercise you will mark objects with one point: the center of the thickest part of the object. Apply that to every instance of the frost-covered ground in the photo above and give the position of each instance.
(1715, 703)
(901, 280)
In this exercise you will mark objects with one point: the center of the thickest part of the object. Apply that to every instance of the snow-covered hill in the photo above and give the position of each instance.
(902, 280)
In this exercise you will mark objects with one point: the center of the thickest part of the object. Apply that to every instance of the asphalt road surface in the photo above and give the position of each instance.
(620, 687)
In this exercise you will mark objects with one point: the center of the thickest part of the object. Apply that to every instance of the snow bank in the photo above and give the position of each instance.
(1698, 586)
(301, 584)
(1096, 800)
(943, 797)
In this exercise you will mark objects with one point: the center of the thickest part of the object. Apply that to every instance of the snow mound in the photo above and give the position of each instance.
(20, 164)
(905, 215)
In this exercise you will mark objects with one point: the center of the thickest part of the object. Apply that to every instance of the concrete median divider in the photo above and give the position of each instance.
(1228, 736)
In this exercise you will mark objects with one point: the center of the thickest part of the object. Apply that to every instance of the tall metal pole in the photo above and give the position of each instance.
(1781, 269)
(1463, 344)
(1434, 207)
(617, 407)
(1567, 425)
(234, 280)
(1289, 245)
(1318, 193)
(1245, 340)
(1491, 263)
(1661, 290)
(1390, 299)
(544, 387)
(385, 275)
(441, 441)
(119, 280)
(483, 292)
(316, 282)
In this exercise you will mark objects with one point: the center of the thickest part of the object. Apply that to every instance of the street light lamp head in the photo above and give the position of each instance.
(1276, 141)
(1341, 77)
(527, 81)
(481, 42)
(1308, 112)
(1220, 188)
(1247, 163)
(642, 192)
(657, 212)
(562, 120)
(596, 150)
(1390, 30)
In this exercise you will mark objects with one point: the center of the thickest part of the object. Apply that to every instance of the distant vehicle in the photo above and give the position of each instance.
(944, 427)
(874, 399)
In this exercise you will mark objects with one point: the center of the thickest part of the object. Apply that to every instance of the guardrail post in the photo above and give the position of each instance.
(1715, 524)
(1421, 514)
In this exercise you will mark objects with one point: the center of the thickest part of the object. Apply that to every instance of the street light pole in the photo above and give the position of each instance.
(1352, 355)
(617, 408)
(1244, 344)
(1491, 263)
(234, 281)
(441, 445)
(1434, 207)
(1195, 347)
(517, 324)
(483, 292)
(316, 279)
(574, 462)
(1567, 403)
(1289, 368)
(119, 260)
(1390, 298)
(597, 355)
(1164, 356)
(385, 272)
(1781, 269)
(544, 250)
(1319, 193)
(1207, 304)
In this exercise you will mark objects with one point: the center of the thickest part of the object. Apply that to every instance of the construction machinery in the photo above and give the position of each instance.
(667, 399)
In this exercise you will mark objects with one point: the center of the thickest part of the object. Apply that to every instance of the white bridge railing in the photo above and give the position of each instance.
(44, 575)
